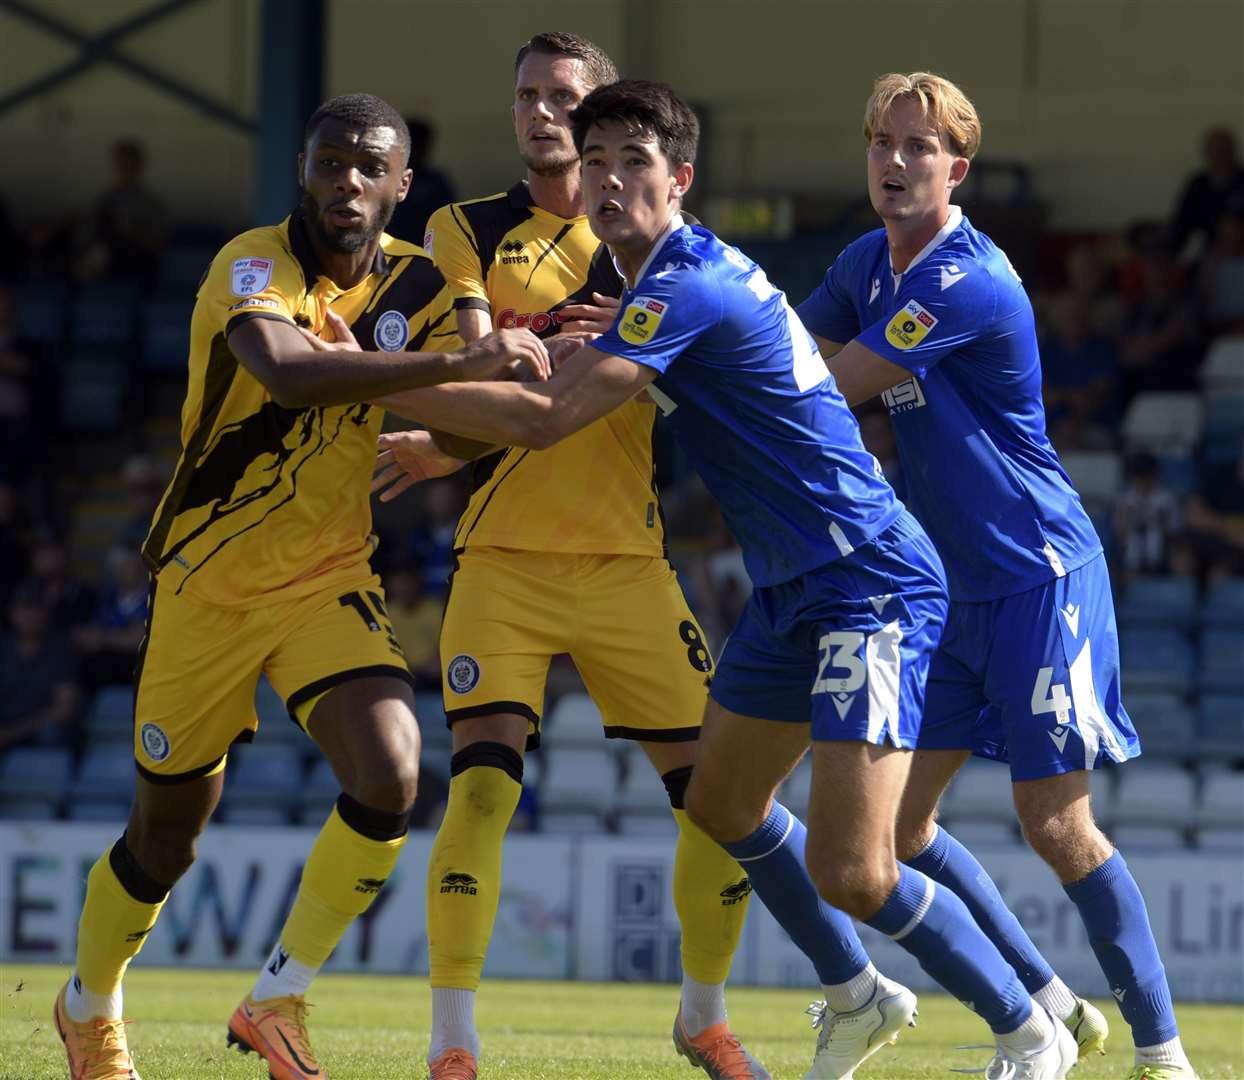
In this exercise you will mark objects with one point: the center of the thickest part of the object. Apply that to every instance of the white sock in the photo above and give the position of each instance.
(282, 976)
(1032, 1034)
(702, 1004)
(1056, 996)
(453, 1022)
(1170, 1052)
(853, 994)
(82, 1005)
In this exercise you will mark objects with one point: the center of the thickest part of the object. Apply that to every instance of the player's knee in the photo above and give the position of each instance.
(858, 886)
(374, 822)
(162, 852)
(1071, 844)
(912, 835)
(676, 782)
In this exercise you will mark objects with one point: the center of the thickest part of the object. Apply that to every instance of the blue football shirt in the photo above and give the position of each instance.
(746, 393)
(979, 471)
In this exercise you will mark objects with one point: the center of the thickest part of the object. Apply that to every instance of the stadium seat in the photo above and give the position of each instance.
(1096, 475)
(27, 808)
(571, 822)
(1168, 602)
(110, 717)
(430, 712)
(1224, 421)
(107, 772)
(645, 824)
(1154, 794)
(1221, 841)
(1222, 662)
(1156, 660)
(1222, 370)
(42, 310)
(40, 772)
(574, 722)
(579, 780)
(166, 334)
(1224, 605)
(92, 393)
(1164, 424)
(983, 834)
(249, 814)
(99, 810)
(275, 726)
(1155, 838)
(318, 793)
(1222, 801)
(642, 790)
(268, 776)
(105, 314)
(1165, 724)
(980, 792)
(1221, 727)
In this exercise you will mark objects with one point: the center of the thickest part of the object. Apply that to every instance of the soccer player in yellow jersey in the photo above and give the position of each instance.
(559, 551)
(259, 561)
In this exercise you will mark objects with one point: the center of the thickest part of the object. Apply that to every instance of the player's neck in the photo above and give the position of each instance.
(561, 195)
(907, 238)
(345, 270)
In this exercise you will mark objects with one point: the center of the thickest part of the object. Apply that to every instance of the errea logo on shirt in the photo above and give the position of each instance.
(640, 320)
(910, 326)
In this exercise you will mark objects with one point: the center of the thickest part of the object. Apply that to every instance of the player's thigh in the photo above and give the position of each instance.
(167, 817)
(195, 685)
(740, 762)
(507, 615)
(344, 679)
(1054, 677)
(930, 774)
(641, 653)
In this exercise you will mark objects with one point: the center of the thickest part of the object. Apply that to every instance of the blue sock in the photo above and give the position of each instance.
(773, 857)
(935, 926)
(1117, 922)
(949, 863)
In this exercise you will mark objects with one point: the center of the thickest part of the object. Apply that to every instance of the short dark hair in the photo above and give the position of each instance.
(597, 67)
(650, 108)
(361, 111)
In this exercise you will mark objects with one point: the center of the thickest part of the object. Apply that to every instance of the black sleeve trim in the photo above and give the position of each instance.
(350, 674)
(475, 303)
(492, 707)
(165, 779)
(246, 316)
(682, 734)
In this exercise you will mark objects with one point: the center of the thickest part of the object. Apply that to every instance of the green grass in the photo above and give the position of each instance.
(376, 1028)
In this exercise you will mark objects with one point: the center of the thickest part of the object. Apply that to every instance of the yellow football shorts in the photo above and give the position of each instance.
(200, 664)
(622, 618)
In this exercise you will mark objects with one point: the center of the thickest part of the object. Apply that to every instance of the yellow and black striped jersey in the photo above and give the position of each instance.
(592, 493)
(270, 502)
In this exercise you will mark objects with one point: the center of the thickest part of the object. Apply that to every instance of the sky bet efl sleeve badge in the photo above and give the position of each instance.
(910, 326)
(640, 320)
(251, 276)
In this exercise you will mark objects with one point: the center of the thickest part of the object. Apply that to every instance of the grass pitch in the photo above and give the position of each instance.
(376, 1028)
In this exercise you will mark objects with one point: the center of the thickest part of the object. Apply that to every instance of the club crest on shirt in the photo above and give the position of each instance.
(392, 331)
(910, 325)
(251, 276)
(640, 320)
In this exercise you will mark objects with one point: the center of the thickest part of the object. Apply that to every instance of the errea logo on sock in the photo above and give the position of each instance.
(369, 885)
(736, 893)
(455, 882)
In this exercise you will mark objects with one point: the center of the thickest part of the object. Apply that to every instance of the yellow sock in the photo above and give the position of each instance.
(114, 923)
(341, 878)
(464, 872)
(710, 896)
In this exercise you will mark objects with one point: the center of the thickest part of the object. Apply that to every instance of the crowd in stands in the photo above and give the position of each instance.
(1143, 352)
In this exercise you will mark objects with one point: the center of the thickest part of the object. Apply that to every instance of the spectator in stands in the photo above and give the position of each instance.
(430, 188)
(38, 674)
(416, 619)
(1146, 517)
(1160, 347)
(1207, 193)
(109, 643)
(1080, 382)
(1221, 277)
(1088, 288)
(25, 384)
(128, 230)
(73, 601)
(1212, 543)
(432, 541)
(13, 553)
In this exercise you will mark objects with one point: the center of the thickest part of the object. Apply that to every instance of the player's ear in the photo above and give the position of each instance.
(404, 188)
(681, 179)
(958, 170)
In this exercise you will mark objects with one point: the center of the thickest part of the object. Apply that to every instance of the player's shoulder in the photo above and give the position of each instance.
(968, 266)
(395, 248)
(252, 261)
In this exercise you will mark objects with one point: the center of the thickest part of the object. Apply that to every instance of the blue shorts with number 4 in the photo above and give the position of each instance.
(1033, 679)
(846, 646)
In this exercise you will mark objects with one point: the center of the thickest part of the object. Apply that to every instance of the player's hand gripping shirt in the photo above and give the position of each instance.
(751, 401)
(592, 493)
(269, 501)
(979, 471)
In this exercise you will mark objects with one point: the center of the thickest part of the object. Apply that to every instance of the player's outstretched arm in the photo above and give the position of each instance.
(299, 370)
(859, 372)
(535, 415)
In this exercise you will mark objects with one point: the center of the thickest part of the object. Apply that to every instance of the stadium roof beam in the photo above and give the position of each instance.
(101, 48)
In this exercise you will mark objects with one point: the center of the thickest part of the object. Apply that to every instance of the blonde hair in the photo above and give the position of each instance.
(944, 104)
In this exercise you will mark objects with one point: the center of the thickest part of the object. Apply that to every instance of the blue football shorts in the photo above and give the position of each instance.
(846, 646)
(1033, 679)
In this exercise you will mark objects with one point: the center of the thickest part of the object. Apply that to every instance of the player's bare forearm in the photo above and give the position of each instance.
(861, 374)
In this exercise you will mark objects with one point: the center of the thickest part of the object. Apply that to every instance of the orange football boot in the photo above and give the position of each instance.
(276, 1030)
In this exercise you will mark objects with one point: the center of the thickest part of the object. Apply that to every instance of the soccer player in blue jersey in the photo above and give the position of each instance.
(929, 313)
(849, 598)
